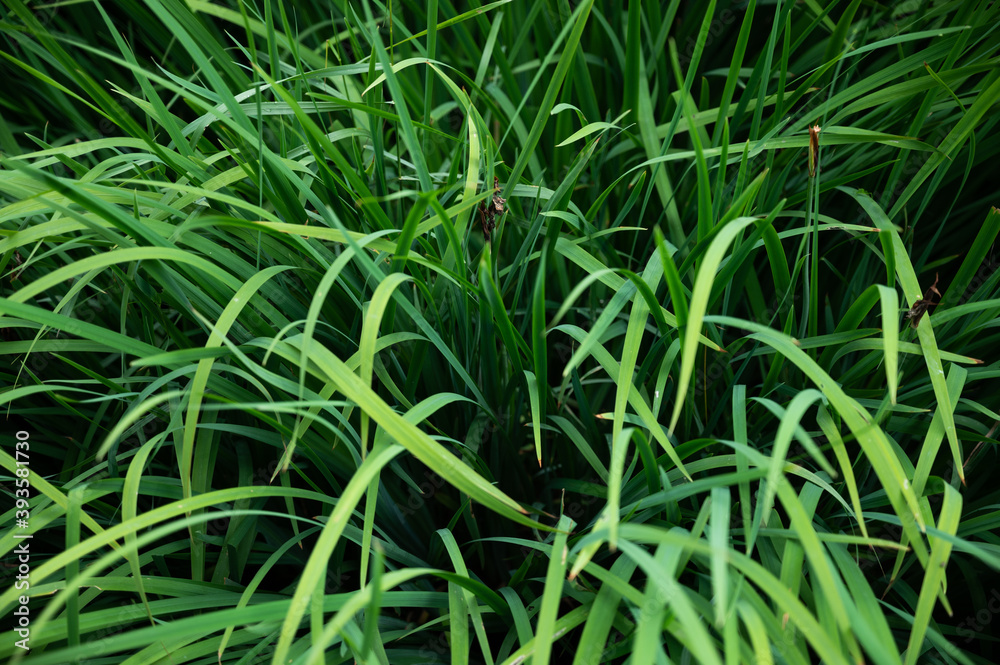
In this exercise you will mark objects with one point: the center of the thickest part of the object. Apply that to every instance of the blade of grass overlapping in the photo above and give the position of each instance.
(465, 602)
(625, 379)
(199, 382)
(952, 143)
(592, 265)
(783, 439)
(258, 578)
(870, 623)
(832, 433)
(603, 613)
(871, 437)
(578, 22)
(935, 434)
(698, 306)
(563, 625)
(545, 629)
(977, 253)
(638, 403)
(315, 568)
(357, 601)
(252, 158)
(925, 332)
(366, 352)
(951, 513)
(647, 647)
(140, 522)
(786, 601)
(609, 517)
(662, 580)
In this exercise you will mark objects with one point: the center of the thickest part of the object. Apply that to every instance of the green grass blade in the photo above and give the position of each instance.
(890, 337)
(699, 304)
(925, 332)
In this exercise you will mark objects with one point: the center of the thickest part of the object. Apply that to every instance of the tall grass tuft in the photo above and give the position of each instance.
(428, 332)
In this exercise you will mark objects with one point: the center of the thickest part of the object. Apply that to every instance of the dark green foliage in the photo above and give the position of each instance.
(692, 400)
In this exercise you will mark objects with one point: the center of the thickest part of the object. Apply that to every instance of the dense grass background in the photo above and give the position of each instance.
(287, 404)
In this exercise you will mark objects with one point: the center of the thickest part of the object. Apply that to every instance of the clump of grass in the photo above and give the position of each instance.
(287, 402)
